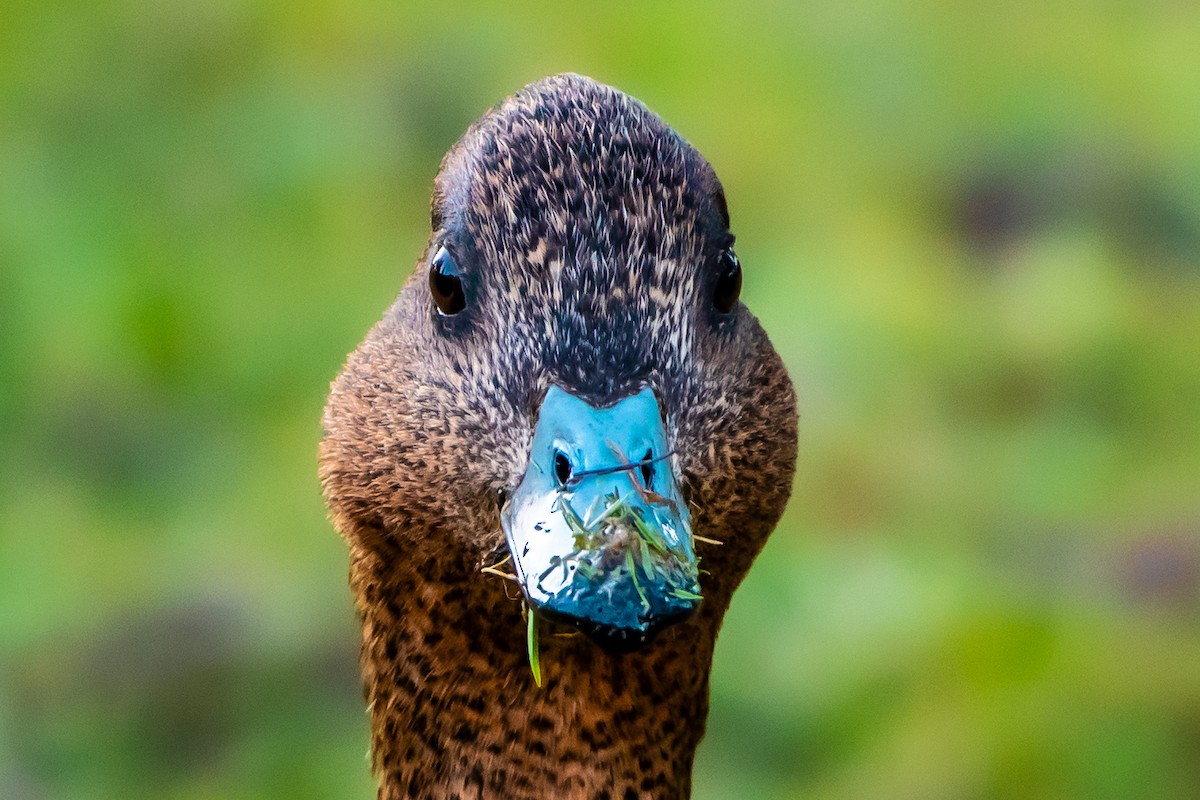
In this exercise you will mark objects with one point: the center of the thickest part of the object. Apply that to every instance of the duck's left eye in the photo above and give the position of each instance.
(729, 282)
(445, 283)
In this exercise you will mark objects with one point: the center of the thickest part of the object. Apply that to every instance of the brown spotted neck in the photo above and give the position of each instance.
(455, 712)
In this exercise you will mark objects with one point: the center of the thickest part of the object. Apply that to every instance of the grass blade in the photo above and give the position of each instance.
(535, 662)
(633, 576)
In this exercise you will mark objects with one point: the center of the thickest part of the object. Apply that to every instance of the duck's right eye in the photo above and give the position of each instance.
(445, 283)
(729, 282)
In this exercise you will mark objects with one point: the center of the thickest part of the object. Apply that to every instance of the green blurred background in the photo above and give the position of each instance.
(973, 230)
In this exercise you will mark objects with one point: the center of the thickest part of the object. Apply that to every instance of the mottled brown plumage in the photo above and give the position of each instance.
(589, 235)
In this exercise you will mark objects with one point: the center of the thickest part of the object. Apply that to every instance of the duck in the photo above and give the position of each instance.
(554, 459)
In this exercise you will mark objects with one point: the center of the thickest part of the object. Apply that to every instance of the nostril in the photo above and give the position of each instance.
(562, 467)
(648, 469)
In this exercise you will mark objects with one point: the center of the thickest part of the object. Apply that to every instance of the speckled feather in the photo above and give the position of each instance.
(589, 235)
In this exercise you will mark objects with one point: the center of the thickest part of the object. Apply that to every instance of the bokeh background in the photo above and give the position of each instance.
(973, 230)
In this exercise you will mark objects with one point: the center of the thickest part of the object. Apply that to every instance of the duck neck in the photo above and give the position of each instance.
(455, 711)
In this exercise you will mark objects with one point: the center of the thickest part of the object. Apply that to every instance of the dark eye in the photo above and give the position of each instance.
(729, 282)
(445, 283)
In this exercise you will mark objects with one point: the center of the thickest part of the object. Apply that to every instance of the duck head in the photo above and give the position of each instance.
(567, 389)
